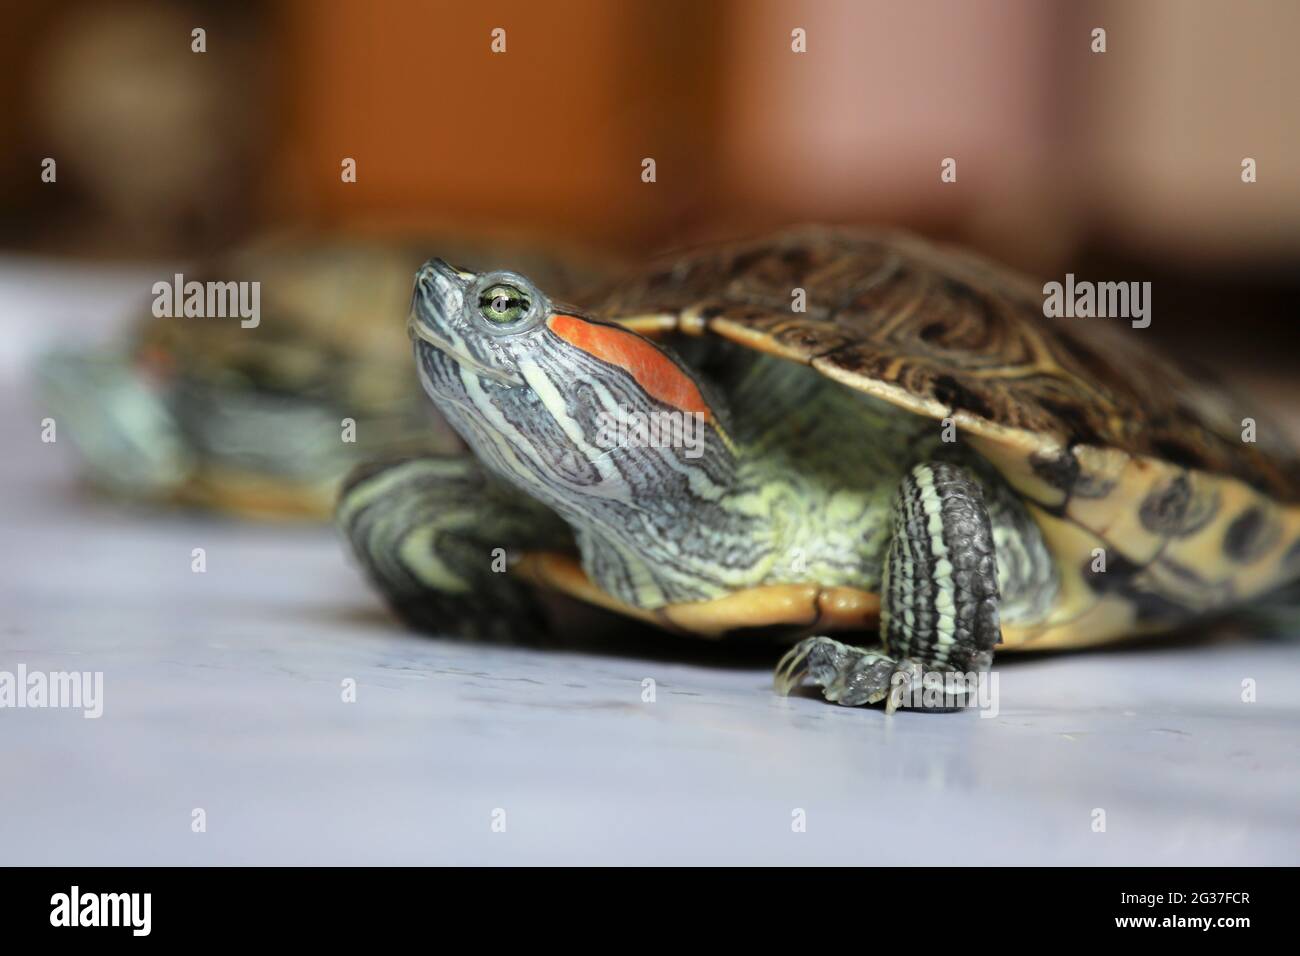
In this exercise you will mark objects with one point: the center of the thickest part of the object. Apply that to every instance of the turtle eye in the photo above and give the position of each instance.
(503, 303)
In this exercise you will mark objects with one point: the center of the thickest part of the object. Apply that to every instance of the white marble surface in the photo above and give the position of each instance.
(222, 692)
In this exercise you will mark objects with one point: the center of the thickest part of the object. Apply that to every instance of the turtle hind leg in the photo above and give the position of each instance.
(939, 608)
(436, 536)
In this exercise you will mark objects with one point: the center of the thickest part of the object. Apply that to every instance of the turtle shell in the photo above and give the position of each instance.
(1115, 449)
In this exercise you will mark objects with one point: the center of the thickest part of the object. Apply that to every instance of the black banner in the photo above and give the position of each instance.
(867, 906)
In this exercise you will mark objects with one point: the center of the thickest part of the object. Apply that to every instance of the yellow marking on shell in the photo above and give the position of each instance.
(1291, 537)
(1118, 517)
(652, 325)
(1012, 456)
(894, 394)
(655, 325)
(756, 339)
(1101, 623)
(1112, 469)
(1113, 521)
(1075, 597)
(802, 605)
(1204, 551)
(692, 322)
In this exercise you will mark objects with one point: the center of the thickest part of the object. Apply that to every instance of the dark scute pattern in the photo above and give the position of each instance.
(1129, 581)
(1059, 470)
(957, 396)
(948, 326)
(1251, 534)
(1177, 509)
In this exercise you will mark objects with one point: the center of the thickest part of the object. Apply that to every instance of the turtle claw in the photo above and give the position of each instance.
(815, 657)
(848, 675)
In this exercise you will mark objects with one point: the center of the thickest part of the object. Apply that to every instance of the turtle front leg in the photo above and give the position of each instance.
(437, 535)
(848, 675)
(939, 603)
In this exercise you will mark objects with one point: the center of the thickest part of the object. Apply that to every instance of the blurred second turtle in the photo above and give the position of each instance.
(263, 419)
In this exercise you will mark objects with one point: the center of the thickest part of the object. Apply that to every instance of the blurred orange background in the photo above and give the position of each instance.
(1066, 159)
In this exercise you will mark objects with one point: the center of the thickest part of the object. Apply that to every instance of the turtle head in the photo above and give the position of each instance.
(484, 323)
(565, 405)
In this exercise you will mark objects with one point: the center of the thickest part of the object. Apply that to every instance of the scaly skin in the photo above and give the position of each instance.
(800, 480)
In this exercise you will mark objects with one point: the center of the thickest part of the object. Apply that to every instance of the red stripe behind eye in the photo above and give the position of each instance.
(653, 370)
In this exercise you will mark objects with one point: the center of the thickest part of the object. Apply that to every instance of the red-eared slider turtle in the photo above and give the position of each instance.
(920, 454)
(263, 417)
